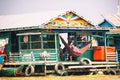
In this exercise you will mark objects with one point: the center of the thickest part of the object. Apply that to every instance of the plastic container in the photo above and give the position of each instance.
(111, 56)
(99, 53)
(110, 49)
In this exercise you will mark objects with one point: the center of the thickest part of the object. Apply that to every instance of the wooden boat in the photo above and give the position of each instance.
(11, 71)
(72, 52)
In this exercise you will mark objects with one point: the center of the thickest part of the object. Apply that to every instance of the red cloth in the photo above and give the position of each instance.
(4, 53)
(1, 53)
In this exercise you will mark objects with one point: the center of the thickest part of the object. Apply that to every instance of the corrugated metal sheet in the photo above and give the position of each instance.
(114, 30)
(29, 20)
(114, 19)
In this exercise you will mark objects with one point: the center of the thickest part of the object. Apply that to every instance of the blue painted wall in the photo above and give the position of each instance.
(105, 24)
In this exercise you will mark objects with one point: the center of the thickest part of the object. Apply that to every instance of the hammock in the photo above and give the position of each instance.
(70, 50)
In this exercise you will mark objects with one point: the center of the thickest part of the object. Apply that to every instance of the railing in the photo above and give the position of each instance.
(30, 57)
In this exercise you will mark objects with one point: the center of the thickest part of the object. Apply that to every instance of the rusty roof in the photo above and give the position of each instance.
(114, 30)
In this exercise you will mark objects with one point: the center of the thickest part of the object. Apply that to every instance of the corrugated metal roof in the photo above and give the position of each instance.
(29, 20)
(114, 30)
(114, 19)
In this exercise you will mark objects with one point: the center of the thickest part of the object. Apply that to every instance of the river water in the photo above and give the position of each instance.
(71, 77)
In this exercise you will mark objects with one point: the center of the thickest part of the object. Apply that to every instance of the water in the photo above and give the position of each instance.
(71, 77)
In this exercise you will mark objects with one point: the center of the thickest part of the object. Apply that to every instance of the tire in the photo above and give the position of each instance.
(29, 70)
(94, 72)
(60, 69)
(85, 61)
(112, 72)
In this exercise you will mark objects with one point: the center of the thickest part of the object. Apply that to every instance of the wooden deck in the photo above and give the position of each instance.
(54, 62)
(91, 66)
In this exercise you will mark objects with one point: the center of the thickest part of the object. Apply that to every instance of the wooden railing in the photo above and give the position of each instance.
(31, 57)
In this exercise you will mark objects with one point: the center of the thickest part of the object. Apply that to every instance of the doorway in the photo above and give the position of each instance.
(14, 42)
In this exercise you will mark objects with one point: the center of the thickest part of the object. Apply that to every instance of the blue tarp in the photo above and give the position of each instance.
(1, 59)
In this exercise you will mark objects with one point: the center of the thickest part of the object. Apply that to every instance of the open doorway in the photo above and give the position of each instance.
(14, 42)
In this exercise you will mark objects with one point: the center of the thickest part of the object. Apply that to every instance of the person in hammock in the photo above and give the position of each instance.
(74, 48)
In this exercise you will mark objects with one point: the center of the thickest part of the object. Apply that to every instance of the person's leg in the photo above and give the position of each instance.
(70, 58)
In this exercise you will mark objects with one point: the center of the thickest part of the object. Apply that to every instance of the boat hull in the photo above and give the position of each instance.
(11, 71)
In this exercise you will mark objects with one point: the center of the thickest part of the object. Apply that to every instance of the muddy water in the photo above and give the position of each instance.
(72, 77)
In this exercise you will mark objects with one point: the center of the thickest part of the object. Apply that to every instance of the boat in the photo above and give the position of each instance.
(11, 71)
(37, 47)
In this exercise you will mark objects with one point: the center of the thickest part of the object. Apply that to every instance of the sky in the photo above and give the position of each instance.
(90, 9)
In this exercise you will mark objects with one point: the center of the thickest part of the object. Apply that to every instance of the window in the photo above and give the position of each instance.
(82, 39)
(48, 41)
(37, 41)
(24, 41)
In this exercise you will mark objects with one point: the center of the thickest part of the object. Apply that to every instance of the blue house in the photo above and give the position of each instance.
(110, 21)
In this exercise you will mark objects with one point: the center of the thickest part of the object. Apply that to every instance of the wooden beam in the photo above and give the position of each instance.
(91, 66)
